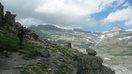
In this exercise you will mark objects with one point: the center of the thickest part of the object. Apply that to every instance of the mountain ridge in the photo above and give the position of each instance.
(50, 26)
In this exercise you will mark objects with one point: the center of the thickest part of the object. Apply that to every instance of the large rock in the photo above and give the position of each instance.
(92, 65)
(90, 62)
(91, 52)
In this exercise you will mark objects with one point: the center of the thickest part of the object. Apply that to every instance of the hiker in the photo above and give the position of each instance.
(21, 34)
(69, 45)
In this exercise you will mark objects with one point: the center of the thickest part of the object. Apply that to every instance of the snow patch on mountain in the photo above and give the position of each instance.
(117, 28)
(125, 38)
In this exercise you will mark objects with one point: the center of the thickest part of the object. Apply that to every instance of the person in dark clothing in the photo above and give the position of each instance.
(21, 35)
(69, 45)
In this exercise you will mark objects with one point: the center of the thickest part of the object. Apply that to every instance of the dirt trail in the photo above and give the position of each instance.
(14, 64)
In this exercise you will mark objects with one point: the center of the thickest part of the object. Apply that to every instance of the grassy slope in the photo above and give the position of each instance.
(9, 42)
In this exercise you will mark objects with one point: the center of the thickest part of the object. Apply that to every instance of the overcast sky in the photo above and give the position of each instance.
(94, 15)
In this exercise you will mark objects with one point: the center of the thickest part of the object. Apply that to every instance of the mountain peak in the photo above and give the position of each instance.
(117, 28)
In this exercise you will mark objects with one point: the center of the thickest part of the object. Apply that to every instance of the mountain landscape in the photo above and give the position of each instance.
(48, 49)
(23, 52)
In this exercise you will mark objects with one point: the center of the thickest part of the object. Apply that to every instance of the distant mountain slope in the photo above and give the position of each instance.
(116, 41)
(78, 37)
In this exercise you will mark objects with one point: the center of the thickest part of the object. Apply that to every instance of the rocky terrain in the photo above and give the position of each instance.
(114, 46)
(39, 56)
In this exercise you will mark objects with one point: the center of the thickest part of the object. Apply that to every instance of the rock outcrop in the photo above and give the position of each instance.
(91, 64)
(9, 18)
(1, 13)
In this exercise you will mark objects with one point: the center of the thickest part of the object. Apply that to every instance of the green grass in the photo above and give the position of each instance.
(12, 44)
(38, 70)
(64, 70)
(9, 41)
(24, 72)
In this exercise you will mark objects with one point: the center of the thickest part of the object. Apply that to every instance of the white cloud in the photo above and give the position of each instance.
(119, 15)
(74, 7)
(29, 21)
(74, 12)
(128, 23)
(67, 13)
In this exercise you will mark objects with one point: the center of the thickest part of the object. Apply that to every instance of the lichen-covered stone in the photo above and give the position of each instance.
(92, 65)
